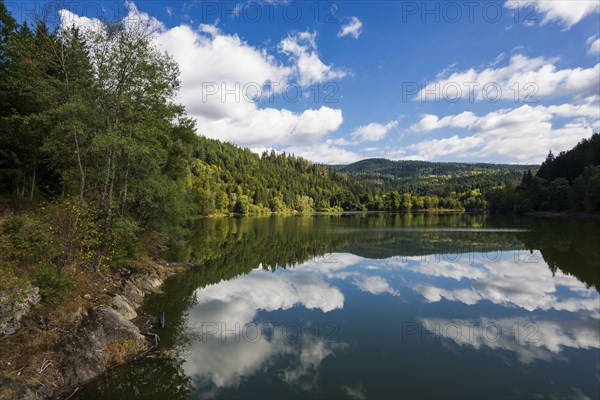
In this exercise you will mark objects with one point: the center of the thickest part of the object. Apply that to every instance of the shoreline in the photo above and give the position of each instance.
(565, 214)
(368, 212)
(107, 330)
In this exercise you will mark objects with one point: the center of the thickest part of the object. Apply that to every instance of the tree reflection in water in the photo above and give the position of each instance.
(458, 247)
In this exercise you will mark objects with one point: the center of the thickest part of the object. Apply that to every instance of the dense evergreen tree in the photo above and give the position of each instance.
(567, 182)
(88, 122)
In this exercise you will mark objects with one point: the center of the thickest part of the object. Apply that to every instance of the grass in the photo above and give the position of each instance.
(120, 351)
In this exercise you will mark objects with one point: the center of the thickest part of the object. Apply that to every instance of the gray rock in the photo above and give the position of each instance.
(12, 311)
(134, 294)
(94, 335)
(85, 356)
(149, 284)
(116, 327)
(33, 296)
(124, 307)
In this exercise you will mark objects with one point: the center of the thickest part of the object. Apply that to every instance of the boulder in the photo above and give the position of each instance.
(133, 293)
(12, 311)
(86, 356)
(123, 306)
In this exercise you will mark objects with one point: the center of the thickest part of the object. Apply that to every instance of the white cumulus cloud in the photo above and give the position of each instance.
(324, 153)
(564, 12)
(508, 133)
(430, 122)
(236, 118)
(302, 48)
(536, 339)
(373, 131)
(593, 45)
(508, 283)
(374, 285)
(524, 79)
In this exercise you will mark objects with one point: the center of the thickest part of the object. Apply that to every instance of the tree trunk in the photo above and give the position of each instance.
(110, 191)
(33, 181)
(107, 180)
(125, 186)
(81, 171)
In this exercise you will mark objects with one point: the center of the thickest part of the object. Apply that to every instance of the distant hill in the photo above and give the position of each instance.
(433, 178)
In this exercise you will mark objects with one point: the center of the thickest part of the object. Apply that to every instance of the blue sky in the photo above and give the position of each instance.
(352, 72)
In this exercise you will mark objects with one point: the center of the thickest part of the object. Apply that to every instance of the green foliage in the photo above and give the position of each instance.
(13, 225)
(280, 183)
(52, 285)
(304, 204)
(28, 241)
(277, 183)
(558, 198)
(567, 182)
(432, 185)
(571, 164)
(242, 205)
(76, 233)
(126, 243)
(88, 122)
(426, 178)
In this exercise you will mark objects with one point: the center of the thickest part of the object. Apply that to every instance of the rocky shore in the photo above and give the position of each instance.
(14, 307)
(106, 332)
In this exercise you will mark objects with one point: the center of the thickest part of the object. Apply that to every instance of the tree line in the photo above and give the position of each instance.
(567, 182)
(230, 180)
(435, 178)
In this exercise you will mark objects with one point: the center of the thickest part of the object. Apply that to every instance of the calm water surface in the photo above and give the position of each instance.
(372, 306)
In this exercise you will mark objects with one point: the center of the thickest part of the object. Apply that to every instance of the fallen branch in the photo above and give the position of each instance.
(18, 371)
(45, 365)
(71, 395)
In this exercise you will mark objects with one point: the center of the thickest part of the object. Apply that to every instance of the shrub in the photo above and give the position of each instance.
(125, 235)
(52, 285)
(13, 225)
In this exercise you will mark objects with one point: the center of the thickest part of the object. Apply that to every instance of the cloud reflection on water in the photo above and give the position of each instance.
(317, 285)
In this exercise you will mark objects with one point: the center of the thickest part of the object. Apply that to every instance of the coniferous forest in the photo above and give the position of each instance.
(567, 182)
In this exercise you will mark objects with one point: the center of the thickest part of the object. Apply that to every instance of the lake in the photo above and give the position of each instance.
(376, 305)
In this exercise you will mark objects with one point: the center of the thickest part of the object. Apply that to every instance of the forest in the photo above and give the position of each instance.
(229, 180)
(567, 182)
(439, 178)
(104, 181)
